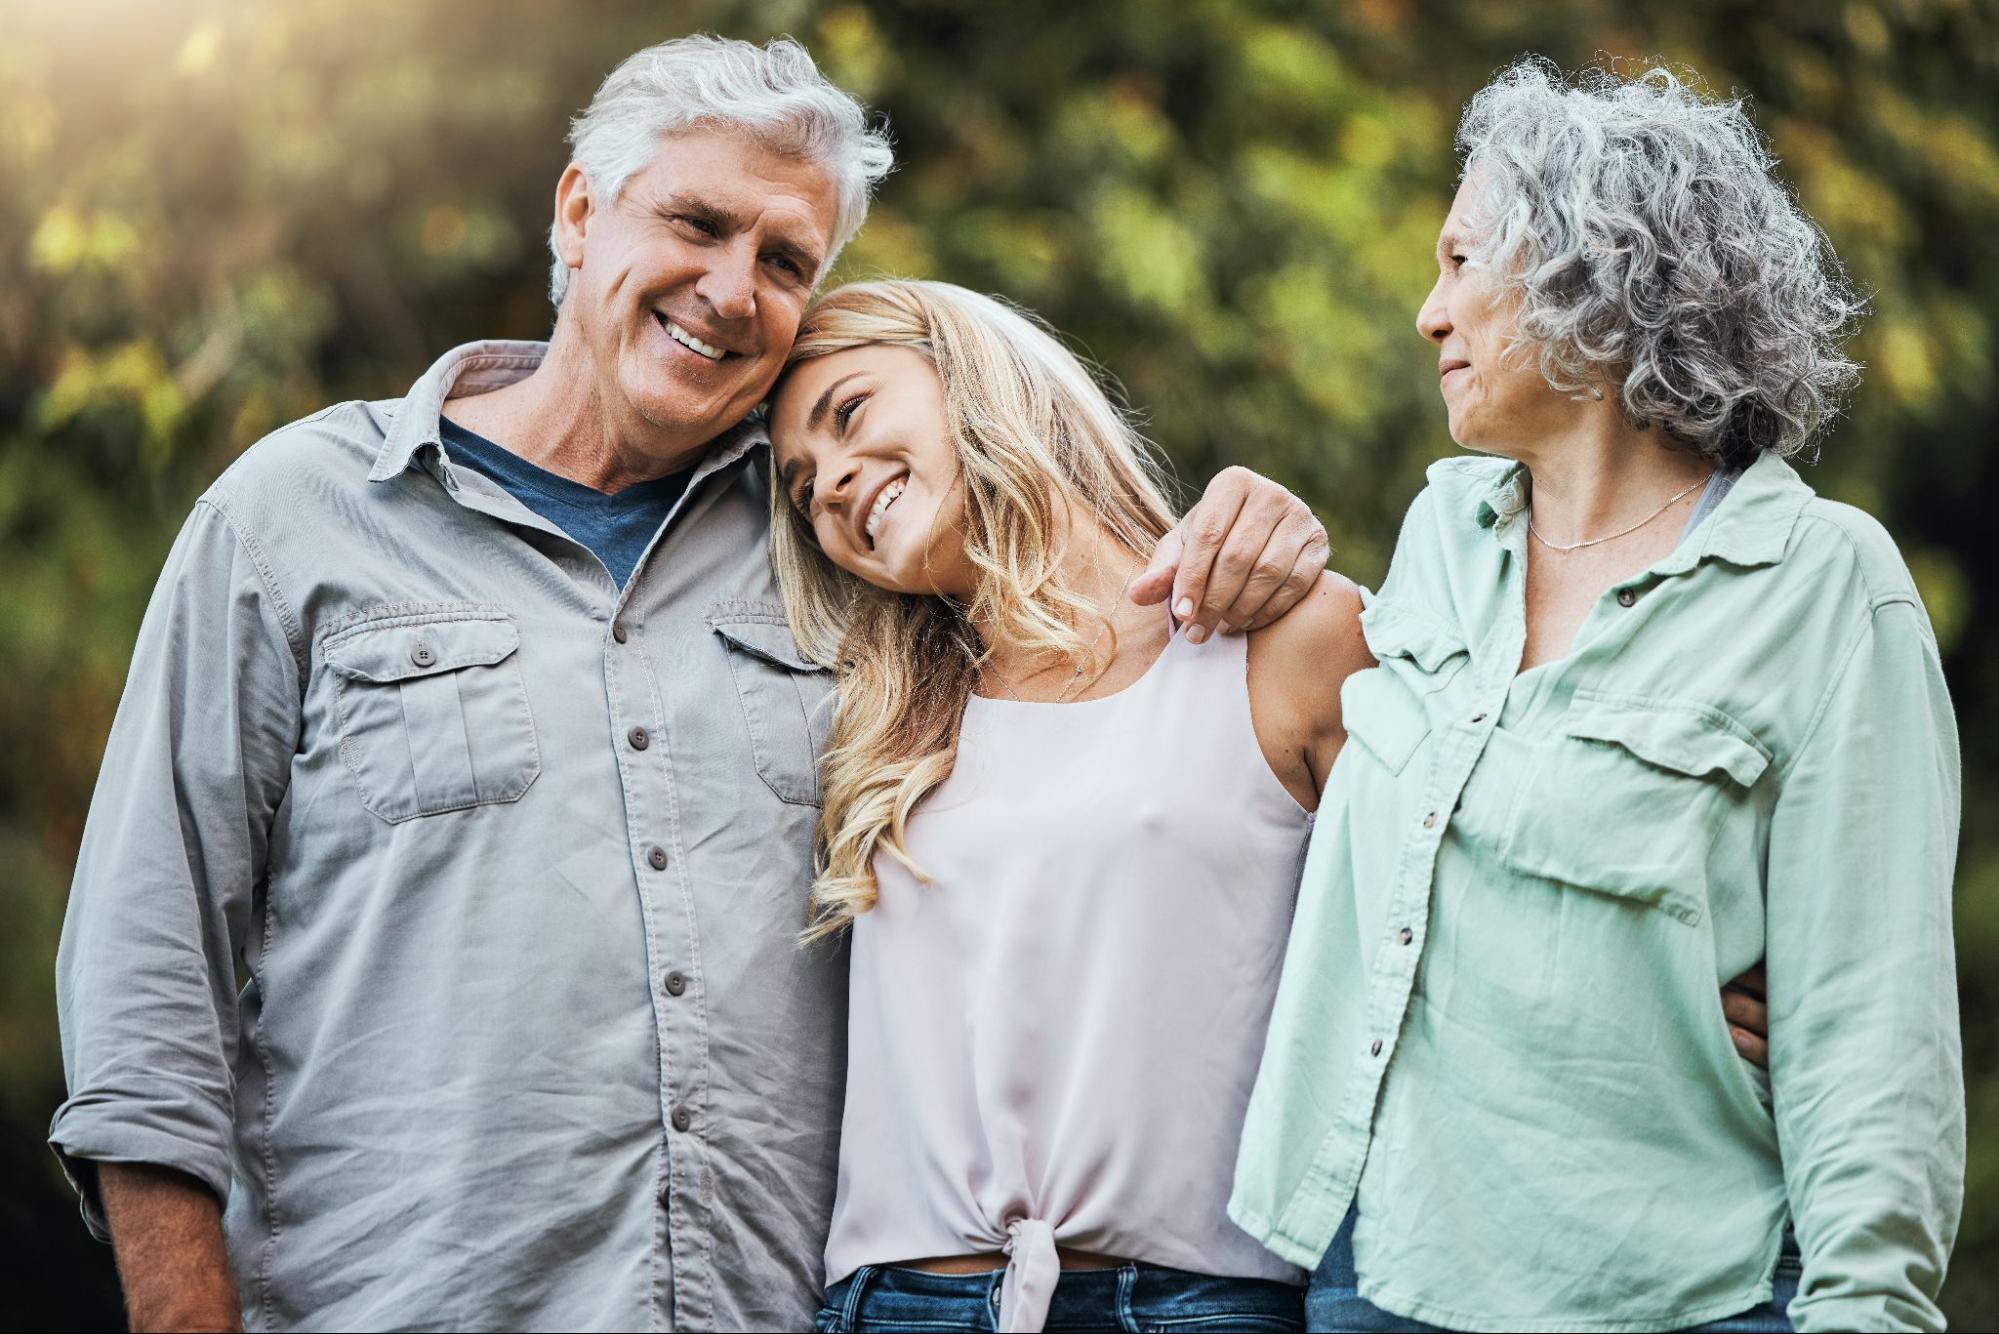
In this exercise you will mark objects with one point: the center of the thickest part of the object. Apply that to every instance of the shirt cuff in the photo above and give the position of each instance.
(160, 1126)
(1883, 1311)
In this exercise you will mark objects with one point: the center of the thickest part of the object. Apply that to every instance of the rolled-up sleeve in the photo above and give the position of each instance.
(177, 838)
(1865, 1060)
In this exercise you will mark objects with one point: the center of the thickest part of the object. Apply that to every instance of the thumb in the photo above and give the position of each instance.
(1156, 581)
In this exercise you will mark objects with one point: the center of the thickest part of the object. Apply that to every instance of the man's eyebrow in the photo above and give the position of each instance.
(818, 413)
(697, 206)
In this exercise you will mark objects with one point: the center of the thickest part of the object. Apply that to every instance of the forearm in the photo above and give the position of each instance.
(166, 1230)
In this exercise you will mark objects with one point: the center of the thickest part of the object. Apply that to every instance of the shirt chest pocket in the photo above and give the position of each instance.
(1387, 708)
(433, 712)
(1631, 796)
(786, 701)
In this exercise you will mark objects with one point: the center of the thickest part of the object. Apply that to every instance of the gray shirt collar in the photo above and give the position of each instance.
(490, 364)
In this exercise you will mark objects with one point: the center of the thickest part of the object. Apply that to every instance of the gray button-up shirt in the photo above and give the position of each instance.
(513, 862)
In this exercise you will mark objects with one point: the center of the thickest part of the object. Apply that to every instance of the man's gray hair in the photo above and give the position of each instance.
(1654, 253)
(774, 93)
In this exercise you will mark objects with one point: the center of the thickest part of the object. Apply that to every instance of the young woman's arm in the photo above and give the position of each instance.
(1296, 665)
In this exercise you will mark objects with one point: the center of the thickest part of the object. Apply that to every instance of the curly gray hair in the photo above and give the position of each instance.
(773, 92)
(1652, 248)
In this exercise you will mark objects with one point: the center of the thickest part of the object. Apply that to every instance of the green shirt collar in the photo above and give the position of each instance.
(1751, 527)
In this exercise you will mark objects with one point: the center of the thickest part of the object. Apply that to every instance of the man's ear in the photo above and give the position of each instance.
(573, 207)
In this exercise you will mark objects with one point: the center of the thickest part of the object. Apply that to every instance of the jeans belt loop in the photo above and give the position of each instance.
(850, 1310)
(1127, 1285)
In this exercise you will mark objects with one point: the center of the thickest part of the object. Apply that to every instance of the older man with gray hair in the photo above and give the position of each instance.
(431, 958)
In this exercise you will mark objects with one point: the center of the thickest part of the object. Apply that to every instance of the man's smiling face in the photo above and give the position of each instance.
(688, 289)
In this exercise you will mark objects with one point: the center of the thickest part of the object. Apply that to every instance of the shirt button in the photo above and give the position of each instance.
(422, 656)
(637, 736)
(1374, 1048)
(656, 858)
(1430, 820)
(1626, 596)
(1405, 935)
(676, 982)
(682, 1119)
(618, 631)
(1477, 718)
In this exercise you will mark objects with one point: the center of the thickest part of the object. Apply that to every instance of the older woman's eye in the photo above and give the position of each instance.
(803, 500)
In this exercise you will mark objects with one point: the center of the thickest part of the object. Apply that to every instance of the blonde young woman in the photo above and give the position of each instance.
(1064, 837)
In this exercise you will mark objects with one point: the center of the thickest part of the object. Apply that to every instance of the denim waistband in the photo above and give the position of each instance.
(1131, 1296)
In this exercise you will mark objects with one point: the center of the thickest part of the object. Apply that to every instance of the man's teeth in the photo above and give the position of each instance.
(686, 339)
(888, 497)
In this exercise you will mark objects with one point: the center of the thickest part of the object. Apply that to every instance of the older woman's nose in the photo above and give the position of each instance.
(1433, 319)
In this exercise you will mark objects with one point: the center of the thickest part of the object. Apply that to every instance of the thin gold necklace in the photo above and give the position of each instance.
(1597, 541)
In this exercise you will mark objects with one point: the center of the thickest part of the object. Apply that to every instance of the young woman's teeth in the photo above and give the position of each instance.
(686, 339)
(889, 495)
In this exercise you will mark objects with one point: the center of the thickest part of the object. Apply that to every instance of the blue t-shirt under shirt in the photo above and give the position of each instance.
(617, 527)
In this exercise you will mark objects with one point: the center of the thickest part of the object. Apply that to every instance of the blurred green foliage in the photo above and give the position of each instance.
(215, 217)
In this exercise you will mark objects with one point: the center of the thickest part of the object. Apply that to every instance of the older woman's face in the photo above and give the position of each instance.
(1497, 403)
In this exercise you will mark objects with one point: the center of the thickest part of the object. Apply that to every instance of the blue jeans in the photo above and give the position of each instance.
(1333, 1301)
(1131, 1297)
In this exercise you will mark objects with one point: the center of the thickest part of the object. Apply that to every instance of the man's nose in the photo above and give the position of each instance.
(729, 284)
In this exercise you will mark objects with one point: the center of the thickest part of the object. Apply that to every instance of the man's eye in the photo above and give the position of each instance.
(788, 265)
(702, 225)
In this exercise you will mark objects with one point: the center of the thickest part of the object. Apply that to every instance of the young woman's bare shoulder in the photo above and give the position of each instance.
(1298, 661)
(1323, 627)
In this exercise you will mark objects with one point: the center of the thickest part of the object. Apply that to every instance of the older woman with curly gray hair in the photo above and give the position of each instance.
(1648, 711)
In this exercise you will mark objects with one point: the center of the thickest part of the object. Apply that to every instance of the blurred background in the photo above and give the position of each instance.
(216, 217)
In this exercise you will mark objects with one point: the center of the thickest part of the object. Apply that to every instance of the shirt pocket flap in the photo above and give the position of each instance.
(786, 700)
(1381, 714)
(763, 639)
(1395, 630)
(1684, 738)
(397, 651)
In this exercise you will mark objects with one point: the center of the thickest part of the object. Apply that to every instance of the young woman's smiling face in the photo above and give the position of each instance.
(864, 451)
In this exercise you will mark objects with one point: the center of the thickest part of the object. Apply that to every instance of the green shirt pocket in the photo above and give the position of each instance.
(1630, 797)
(1383, 717)
(1386, 708)
(1416, 646)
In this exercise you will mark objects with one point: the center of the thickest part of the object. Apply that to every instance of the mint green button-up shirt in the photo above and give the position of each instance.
(1499, 1031)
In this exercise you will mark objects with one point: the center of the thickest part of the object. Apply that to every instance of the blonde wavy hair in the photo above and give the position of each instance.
(1042, 450)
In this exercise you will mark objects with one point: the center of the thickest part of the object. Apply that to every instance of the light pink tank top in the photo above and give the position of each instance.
(1054, 1041)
